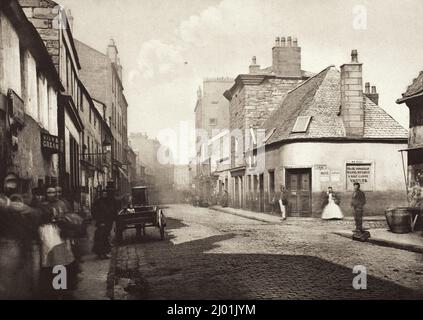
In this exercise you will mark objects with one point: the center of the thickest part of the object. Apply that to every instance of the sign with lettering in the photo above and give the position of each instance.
(50, 144)
(335, 176)
(361, 173)
(324, 175)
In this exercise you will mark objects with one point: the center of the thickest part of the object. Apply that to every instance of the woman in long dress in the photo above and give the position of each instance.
(332, 210)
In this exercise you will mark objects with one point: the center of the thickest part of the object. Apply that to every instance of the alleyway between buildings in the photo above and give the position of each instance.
(214, 255)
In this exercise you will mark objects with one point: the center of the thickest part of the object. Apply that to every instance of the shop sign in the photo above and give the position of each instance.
(50, 144)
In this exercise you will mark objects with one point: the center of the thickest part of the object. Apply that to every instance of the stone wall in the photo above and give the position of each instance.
(262, 100)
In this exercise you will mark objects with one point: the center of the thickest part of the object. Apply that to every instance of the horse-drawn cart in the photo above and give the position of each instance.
(139, 215)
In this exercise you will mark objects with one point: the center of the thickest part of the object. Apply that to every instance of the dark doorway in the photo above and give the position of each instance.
(298, 184)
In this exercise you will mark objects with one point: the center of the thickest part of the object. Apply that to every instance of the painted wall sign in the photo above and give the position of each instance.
(324, 175)
(335, 176)
(361, 173)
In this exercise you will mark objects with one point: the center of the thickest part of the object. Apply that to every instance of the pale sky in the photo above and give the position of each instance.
(168, 46)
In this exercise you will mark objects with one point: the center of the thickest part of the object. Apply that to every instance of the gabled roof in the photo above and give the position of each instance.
(320, 98)
(414, 89)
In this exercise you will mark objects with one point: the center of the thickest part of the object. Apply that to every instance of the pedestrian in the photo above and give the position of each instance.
(331, 210)
(18, 228)
(225, 200)
(357, 203)
(56, 249)
(104, 211)
(283, 201)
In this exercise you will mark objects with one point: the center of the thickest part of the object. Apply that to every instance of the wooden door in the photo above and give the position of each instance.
(299, 188)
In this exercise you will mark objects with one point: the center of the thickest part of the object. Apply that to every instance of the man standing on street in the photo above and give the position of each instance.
(104, 213)
(357, 203)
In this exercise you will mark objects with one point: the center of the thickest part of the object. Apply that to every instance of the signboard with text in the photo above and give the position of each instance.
(361, 172)
(50, 144)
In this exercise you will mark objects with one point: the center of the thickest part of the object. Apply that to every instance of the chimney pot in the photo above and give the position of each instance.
(283, 42)
(354, 56)
(295, 42)
(374, 89)
(367, 86)
(289, 41)
(254, 60)
(277, 42)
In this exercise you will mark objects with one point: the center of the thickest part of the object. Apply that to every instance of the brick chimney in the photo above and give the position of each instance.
(352, 100)
(112, 51)
(372, 95)
(287, 58)
(254, 67)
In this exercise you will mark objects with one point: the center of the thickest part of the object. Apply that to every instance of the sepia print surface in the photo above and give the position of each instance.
(211, 150)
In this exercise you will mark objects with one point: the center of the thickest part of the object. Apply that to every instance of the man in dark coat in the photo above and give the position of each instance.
(104, 212)
(357, 203)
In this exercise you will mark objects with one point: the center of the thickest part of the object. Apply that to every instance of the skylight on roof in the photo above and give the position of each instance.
(301, 125)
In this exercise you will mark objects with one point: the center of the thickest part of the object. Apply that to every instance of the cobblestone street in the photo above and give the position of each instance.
(212, 255)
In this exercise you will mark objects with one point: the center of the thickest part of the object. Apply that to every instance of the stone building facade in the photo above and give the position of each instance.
(253, 98)
(102, 75)
(212, 120)
(29, 85)
(54, 25)
(326, 132)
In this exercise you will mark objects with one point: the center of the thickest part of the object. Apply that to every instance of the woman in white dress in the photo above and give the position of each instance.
(332, 210)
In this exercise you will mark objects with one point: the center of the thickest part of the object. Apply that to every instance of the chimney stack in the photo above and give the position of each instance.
(112, 51)
(352, 100)
(367, 86)
(287, 59)
(373, 95)
(254, 67)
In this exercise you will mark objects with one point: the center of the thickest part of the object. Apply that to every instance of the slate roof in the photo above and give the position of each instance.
(415, 88)
(320, 98)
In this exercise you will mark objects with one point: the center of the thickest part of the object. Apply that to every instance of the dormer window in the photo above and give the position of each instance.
(302, 124)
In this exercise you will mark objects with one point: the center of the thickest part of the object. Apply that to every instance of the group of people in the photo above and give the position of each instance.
(46, 217)
(331, 205)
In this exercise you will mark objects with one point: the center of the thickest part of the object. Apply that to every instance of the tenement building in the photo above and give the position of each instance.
(102, 75)
(211, 125)
(253, 98)
(29, 86)
(324, 131)
(413, 98)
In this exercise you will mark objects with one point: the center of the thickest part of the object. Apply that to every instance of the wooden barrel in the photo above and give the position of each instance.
(399, 220)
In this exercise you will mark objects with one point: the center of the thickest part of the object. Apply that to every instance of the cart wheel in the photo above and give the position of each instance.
(162, 232)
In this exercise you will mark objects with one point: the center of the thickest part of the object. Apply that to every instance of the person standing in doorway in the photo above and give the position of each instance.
(357, 203)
